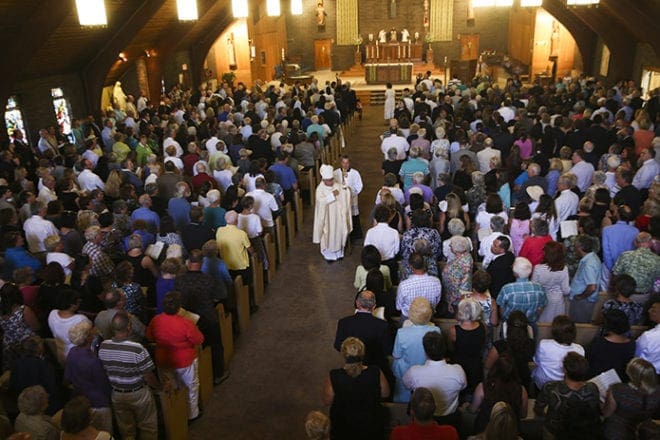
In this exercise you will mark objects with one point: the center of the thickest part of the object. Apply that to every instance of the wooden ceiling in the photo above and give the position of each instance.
(43, 37)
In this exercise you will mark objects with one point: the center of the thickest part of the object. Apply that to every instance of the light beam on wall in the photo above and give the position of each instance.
(187, 10)
(582, 2)
(239, 8)
(531, 3)
(488, 3)
(296, 7)
(273, 8)
(91, 13)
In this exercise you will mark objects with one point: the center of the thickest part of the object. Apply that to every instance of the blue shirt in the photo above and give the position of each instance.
(179, 210)
(552, 178)
(216, 268)
(149, 216)
(588, 272)
(214, 218)
(17, 257)
(617, 239)
(284, 175)
(410, 167)
(523, 295)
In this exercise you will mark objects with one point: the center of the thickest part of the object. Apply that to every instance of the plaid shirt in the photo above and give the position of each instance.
(101, 262)
(523, 295)
(426, 286)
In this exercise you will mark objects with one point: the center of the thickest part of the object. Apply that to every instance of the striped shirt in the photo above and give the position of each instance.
(523, 295)
(125, 363)
(414, 286)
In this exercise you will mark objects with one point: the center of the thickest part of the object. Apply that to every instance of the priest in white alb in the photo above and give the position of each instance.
(332, 215)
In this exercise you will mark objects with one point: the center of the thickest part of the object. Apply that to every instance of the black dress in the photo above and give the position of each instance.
(604, 355)
(356, 412)
(468, 354)
(521, 358)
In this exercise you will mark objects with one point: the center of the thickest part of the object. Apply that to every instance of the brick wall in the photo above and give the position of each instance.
(490, 23)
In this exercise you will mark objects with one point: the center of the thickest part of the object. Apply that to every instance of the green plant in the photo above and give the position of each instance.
(229, 78)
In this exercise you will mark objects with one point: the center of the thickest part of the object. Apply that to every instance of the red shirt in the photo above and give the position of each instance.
(175, 339)
(532, 248)
(413, 431)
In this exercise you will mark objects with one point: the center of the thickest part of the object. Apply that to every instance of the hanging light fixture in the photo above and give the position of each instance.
(296, 7)
(91, 13)
(239, 8)
(531, 3)
(273, 8)
(582, 2)
(187, 10)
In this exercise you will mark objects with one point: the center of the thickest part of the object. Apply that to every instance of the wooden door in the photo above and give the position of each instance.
(469, 47)
(322, 53)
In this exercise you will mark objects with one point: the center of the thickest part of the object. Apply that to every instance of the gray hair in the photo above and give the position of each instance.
(33, 400)
(540, 227)
(79, 332)
(477, 178)
(36, 207)
(420, 311)
(418, 177)
(456, 227)
(366, 299)
(567, 180)
(213, 196)
(468, 310)
(522, 267)
(459, 244)
(598, 178)
(392, 153)
(534, 167)
(497, 223)
(92, 232)
(181, 189)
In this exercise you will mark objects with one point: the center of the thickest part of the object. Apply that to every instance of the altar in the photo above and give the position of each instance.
(383, 73)
(392, 52)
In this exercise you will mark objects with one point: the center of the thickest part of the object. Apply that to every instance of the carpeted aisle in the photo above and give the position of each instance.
(281, 362)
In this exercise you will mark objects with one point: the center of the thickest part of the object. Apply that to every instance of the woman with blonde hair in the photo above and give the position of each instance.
(452, 209)
(629, 404)
(354, 392)
(113, 184)
(408, 347)
(503, 424)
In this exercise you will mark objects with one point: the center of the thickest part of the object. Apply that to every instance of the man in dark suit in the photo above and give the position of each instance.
(500, 268)
(196, 233)
(373, 332)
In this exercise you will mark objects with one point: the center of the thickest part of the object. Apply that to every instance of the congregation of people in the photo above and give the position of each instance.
(524, 214)
(121, 238)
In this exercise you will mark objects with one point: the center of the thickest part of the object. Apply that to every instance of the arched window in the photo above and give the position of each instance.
(62, 111)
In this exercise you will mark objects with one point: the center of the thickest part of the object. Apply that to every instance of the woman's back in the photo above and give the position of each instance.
(632, 407)
(356, 412)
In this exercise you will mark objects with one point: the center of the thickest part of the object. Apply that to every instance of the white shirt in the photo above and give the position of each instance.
(59, 257)
(645, 175)
(610, 181)
(223, 177)
(175, 160)
(398, 142)
(60, 328)
(36, 230)
(251, 224)
(484, 157)
(91, 156)
(89, 181)
(385, 239)
(566, 204)
(264, 205)
(170, 141)
(487, 243)
(584, 171)
(210, 145)
(443, 380)
(396, 192)
(549, 359)
(507, 113)
(648, 347)
(46, 195)
(353, 181)
(483, 219)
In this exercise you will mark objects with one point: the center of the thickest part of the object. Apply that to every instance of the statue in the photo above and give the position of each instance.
(405, 36)
(370, 37)
(382, 36)
(393, 36)
(320, 14)
(416, 37)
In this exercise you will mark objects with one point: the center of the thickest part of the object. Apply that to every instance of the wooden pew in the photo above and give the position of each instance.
(205, 372)
(257, 279)
(174, 407)
(269, 243)
(226, 332)
(280, 239)
(585, 332)
(290, 225)
(242, 304)
(308, 182)
(299, 210)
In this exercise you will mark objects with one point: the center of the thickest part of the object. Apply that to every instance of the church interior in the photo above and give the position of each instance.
(71, 61)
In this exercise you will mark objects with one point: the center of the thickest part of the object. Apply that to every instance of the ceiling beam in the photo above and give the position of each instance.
(620, 43)
(94, 73)
(640, 22)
